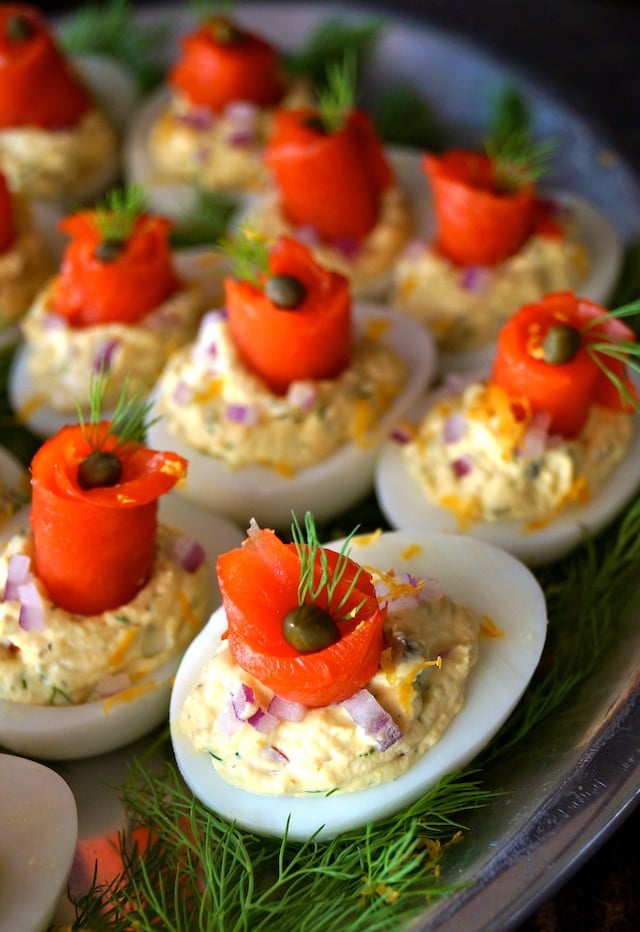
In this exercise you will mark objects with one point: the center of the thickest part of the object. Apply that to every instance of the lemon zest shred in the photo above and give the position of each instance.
(30, 406)
(413, 550)
(376, 327)
(363, 540)
(128, 695)
(489, 629)
(211, 391)
(126, 641)
(188, 613)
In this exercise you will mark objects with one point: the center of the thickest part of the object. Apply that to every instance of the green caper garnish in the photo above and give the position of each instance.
(560, 344)
(224, 31)
(99, 470)
(314, 121)
(285, 291)
(309, 628)
(109, 249)
(19, 29)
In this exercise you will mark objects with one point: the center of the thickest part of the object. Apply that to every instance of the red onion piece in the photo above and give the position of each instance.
(400, 434)
(285, 710)
(307, 235)
(31, 607)
(347, 246)
(263, 721)
(228, 722)
(182, 394)
(302, 395)
(189, 554)
(243, 701)
(368, 714)
(246, 415)
(461, 467)
(474, 278)
(18, 573)
(53, 322)
(198, 118)
(455, 427)
(104, 357)
(275, 754)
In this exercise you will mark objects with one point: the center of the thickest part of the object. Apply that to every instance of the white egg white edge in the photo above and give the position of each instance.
(63, 733)
(196, 264)
(479, 575)
(35, 863)
(405, 506)
(326, 488)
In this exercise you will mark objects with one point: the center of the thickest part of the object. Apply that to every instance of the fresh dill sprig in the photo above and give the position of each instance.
(311, 554)
(248, 254)
(328, 44)
(206, 222)
(204, 10)
(337, 98)
(116, 215)
(111, 29)
(130, 420)
(624, 351)
(510, 116)
(517, 160)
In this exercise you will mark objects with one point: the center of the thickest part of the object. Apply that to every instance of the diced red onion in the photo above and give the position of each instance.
(347, 246)
(31, 607)
(188, 553)
(474, 278)
(246, 415)
(285, 710)
(262, 721)
(243, 701)
(112, 683)
(182, 394)
(302, 395)
(461, 467)
(415, 249)
(553, 208)
(242, 113)
(400, 434)
(368, 714)
(198, 118)
(228, 722)
(241, 139)
(18, 573)
(53, 322)
(455, 427)
(431, 590)
(104, 357)
(202, 155)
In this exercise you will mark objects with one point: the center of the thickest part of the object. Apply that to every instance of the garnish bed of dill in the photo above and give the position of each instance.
(207, 222)
(111, 29)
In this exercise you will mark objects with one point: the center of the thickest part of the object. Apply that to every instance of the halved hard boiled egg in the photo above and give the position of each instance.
(484, 578)
(195, 264)
(332, 484)
(64, 732)
(405, 505)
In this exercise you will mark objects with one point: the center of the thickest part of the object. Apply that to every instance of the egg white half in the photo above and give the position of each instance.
(71, 732)
(326, 488)
(405, 506)
(195, 264)
(39, 832)
(483, 577)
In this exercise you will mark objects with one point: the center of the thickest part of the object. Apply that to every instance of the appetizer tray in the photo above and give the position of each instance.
(578, 777)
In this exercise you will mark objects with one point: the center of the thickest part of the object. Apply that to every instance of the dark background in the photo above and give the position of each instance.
(588, 52)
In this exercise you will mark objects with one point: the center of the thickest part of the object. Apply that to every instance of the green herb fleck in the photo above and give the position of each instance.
(111, 29)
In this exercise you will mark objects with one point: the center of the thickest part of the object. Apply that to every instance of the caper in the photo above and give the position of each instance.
(315, 122)
(109, 249)
(99, 470)
(19, 29)
(285, 291)
(309, 628)
(224, 31)
(560, 344)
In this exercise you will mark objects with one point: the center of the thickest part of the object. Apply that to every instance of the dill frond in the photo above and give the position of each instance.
(116, 215)
(248, 254)
(337, 98)
(129, 421)
(517, 160)
(112, 29)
